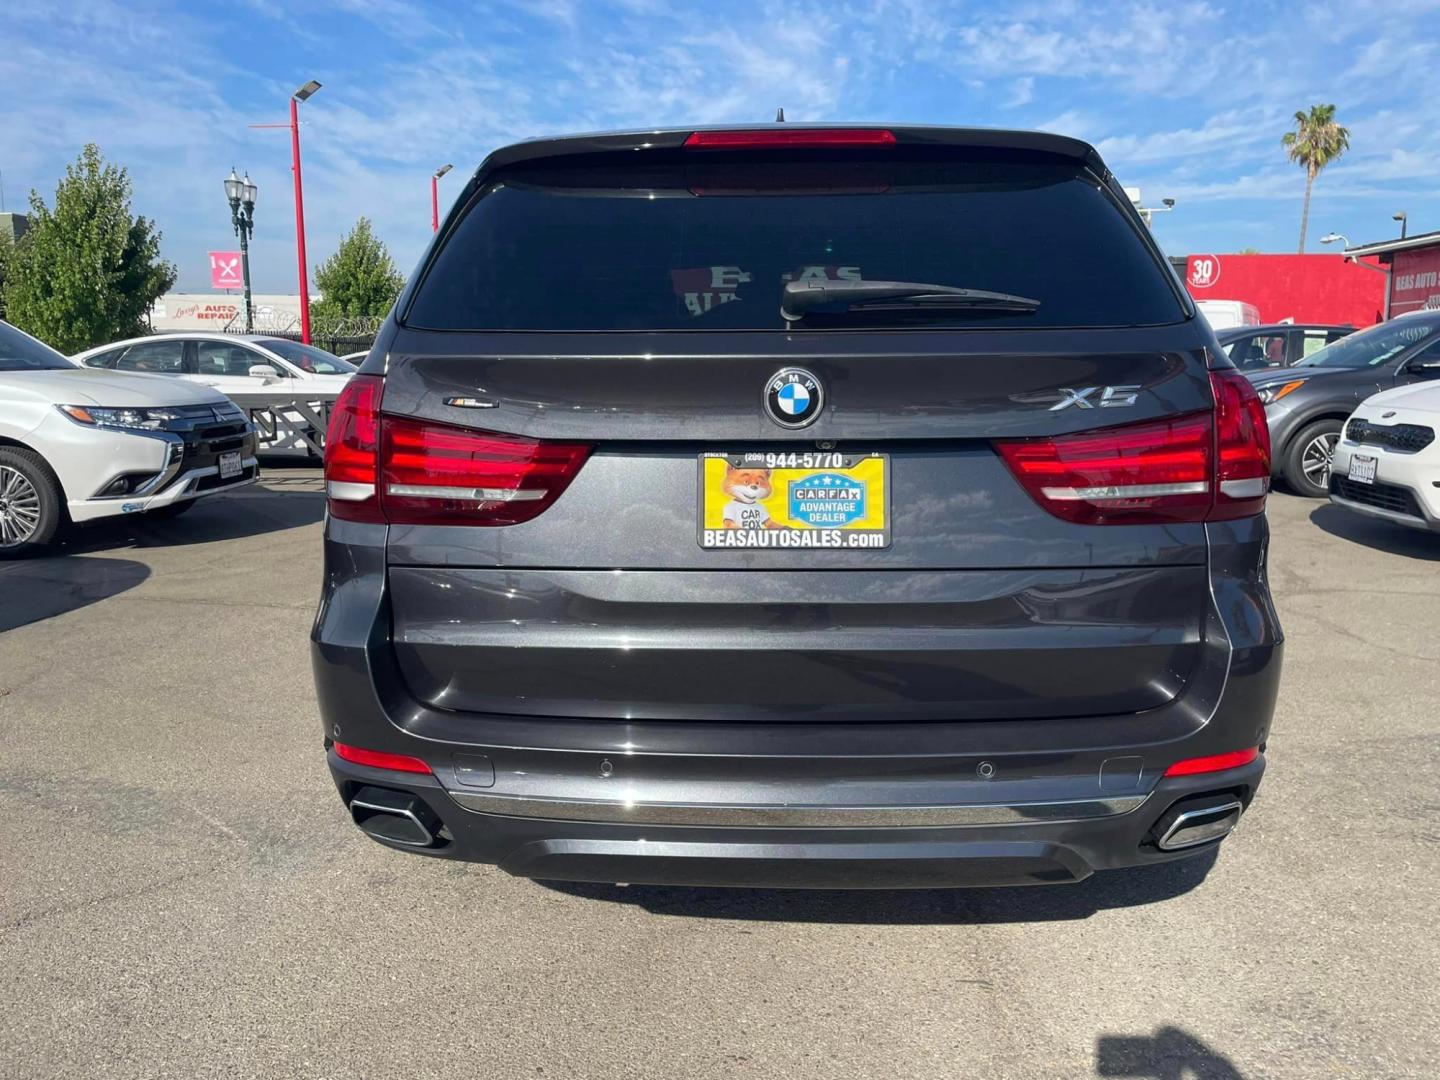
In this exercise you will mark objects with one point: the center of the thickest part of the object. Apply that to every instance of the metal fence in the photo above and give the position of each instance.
(350, 335)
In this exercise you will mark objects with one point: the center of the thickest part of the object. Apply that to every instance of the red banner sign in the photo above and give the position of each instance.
(225, 270)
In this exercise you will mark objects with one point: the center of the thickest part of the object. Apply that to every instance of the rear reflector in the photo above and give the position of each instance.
(404, 471)
(787, 137)
(1214, 763)
(379, 759)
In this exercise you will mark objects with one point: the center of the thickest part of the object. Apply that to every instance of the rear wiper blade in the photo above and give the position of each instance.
(798, 297)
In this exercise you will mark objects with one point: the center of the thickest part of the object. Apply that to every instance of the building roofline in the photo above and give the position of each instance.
(1383, 247)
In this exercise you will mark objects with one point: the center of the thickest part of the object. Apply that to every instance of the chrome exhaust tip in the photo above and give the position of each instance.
(394, 817)
(1186, 827)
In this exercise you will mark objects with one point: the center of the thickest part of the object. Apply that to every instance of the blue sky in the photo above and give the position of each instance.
(1185, 99)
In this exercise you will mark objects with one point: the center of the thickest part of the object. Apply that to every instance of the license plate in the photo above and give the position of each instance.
(230, 465)
(794, 500)
(1362, 468)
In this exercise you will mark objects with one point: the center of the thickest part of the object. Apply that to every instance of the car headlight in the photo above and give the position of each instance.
(1271, 394)
(135, 419)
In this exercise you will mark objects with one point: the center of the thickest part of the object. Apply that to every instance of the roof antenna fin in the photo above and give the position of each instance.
(780, 115)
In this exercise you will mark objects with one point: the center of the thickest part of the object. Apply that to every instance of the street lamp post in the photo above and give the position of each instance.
(435, 196)
(241, 194)
(1404, 219)
(1331, 237)
(300, 95)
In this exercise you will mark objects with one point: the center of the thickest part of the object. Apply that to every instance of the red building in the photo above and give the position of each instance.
(1413, 264)
(1303, 288)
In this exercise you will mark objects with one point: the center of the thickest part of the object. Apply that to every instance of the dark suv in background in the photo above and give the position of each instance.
(797, 506)
(1306, 405)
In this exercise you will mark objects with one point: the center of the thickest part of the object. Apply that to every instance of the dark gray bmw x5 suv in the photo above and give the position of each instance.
(797, 506)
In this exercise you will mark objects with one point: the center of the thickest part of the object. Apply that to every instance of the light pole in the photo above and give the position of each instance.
(1331, 237)
(1404, 220)
(435, 196)
(300, 95)
(241, 194)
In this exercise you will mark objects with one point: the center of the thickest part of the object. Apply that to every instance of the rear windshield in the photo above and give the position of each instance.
(705, 245)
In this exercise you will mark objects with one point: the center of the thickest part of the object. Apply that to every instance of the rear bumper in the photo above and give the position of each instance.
(800, 804)
(1005, 846)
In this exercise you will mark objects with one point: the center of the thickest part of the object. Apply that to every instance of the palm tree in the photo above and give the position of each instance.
(1316, 141)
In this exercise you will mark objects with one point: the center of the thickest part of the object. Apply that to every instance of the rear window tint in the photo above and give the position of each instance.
(704, 244)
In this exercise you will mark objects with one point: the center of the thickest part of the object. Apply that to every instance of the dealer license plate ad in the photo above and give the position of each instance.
(794, 499)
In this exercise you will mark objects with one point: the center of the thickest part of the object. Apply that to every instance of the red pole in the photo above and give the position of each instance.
(434, 203)
(299, 221)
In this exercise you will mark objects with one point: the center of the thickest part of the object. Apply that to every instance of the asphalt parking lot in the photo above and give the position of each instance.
(182, 895)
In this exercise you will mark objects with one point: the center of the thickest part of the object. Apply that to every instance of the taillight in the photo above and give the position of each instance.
(435, 474)
(1153, 471)
(789, 138)
(1214, 762)
(415, 472)
(1242, 442)
(352, 447)
(1196, 467)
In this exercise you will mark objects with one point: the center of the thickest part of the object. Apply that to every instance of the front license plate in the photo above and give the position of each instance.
(790, 499)
(1362, 468)
(230, 465)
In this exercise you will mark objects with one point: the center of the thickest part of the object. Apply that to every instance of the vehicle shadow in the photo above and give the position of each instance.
(249, 512)
(1375, 533)
(911, 907)
(36, 589)
(1170, 1054)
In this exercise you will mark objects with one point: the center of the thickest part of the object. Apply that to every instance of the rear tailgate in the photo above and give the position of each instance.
(982, 605)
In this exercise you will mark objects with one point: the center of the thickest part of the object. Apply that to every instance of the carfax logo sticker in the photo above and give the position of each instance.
(825, 500)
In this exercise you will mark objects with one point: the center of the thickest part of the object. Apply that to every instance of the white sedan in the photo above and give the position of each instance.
(237, 365)
(1387, 462)
(76, 444)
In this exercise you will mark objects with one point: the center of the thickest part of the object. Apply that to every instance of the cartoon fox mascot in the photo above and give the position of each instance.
(746, 487)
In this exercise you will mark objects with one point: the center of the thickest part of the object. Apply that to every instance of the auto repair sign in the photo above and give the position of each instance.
(1415, 280)
(225, 270)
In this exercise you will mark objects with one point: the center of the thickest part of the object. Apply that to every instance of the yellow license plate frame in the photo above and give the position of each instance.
(794, 500)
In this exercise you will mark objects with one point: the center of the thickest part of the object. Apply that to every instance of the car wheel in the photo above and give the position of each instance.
(173, 510)
(1307, 462)
(31, 507)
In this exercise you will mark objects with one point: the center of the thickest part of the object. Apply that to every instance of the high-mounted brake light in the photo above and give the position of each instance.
(1210, 466)
(787, 137)
(380, 759)
(1214, 762)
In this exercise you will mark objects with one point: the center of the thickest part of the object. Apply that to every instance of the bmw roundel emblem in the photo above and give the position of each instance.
(793, 397)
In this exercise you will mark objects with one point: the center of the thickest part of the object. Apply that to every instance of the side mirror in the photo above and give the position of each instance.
(263, 371)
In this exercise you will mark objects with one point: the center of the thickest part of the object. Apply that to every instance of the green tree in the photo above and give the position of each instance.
(86, 272)
(1316, 141)
(358, 281)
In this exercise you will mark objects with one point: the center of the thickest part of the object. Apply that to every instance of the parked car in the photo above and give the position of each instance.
(1253, 348)
(236, 365)
(77, 444)
(1387, 462)
(825, 537)
(1307, 404)
(1224, 314)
